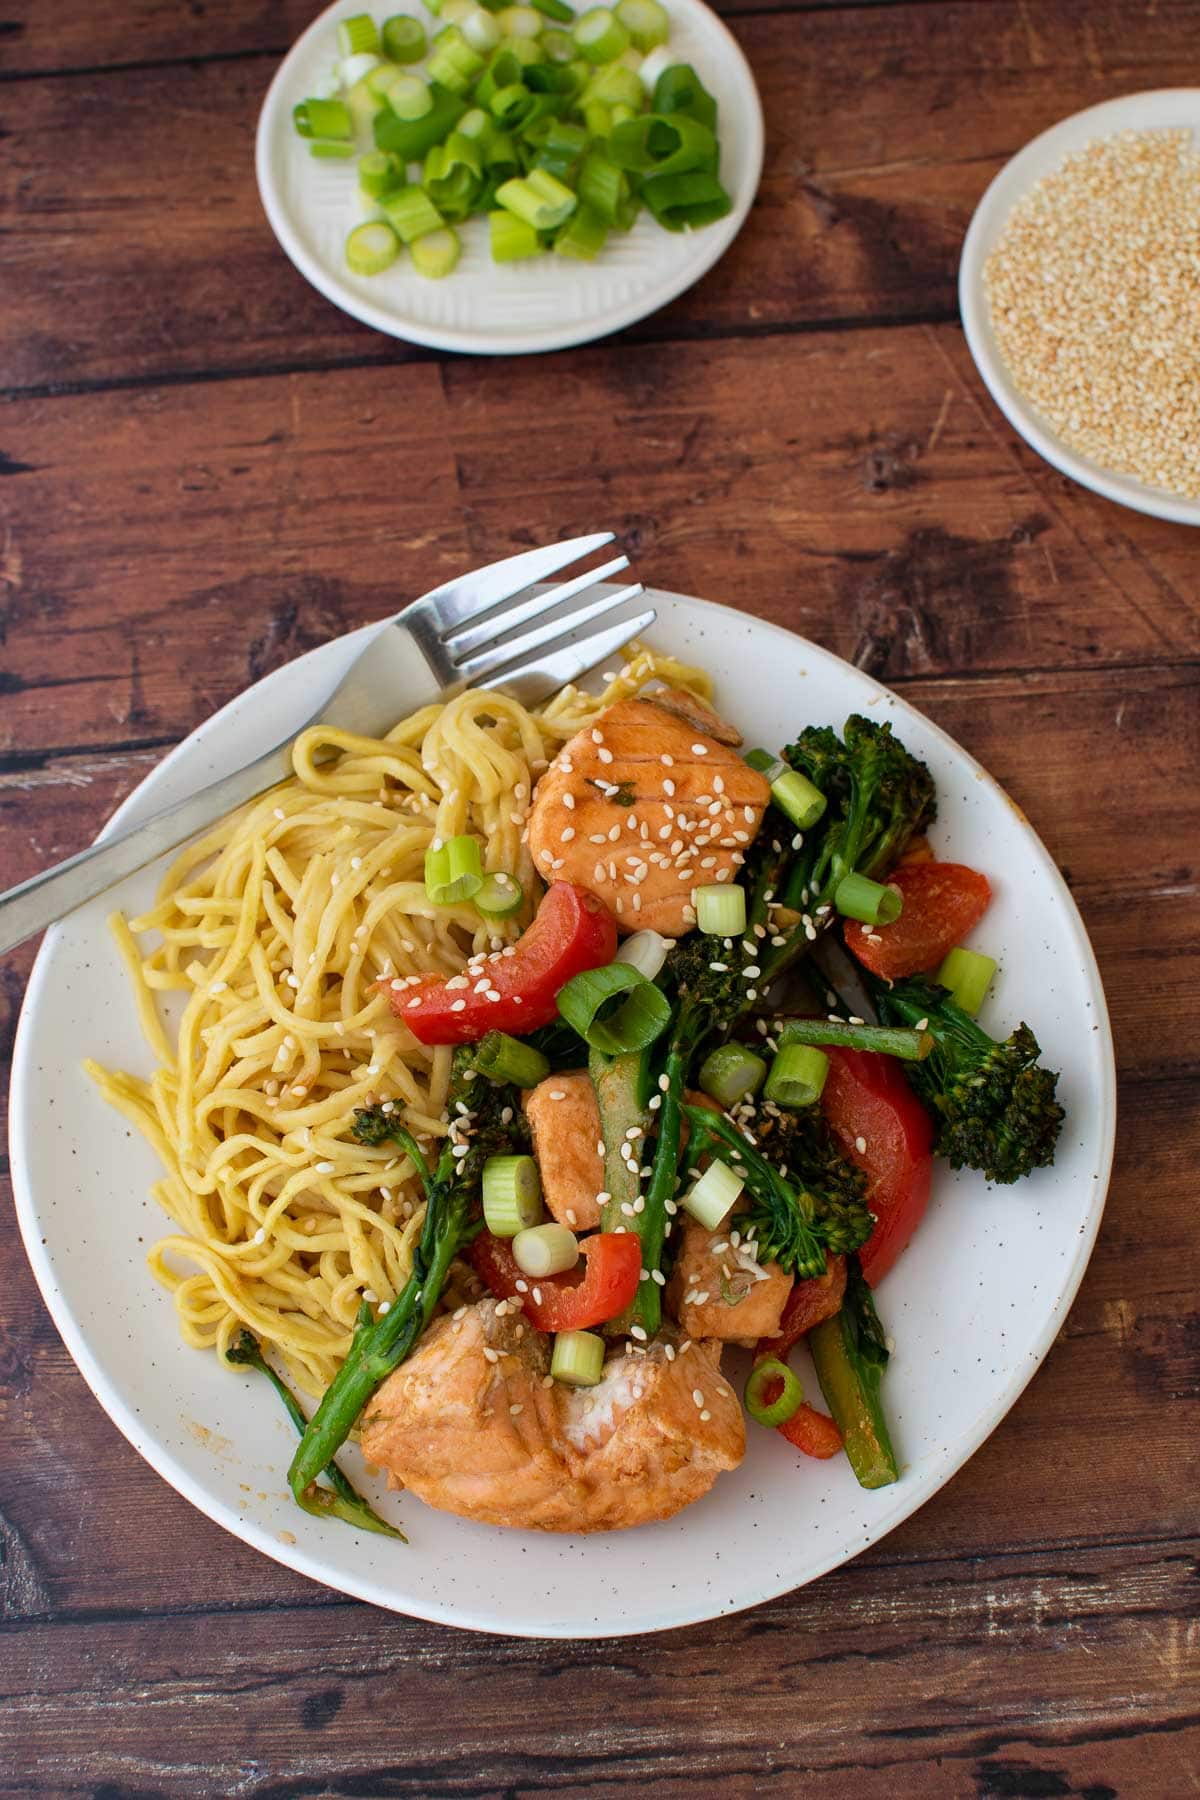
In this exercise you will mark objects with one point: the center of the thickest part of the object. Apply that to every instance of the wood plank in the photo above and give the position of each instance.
(1038, 1675)
(89, 1527)
(881, 139)
(76, 36)
(204, 533)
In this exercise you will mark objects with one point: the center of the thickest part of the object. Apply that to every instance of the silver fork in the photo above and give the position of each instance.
(450, 639)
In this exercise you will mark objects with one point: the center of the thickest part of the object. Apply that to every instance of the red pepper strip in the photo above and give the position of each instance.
(868, 1102)
(609, 1282)
(573, 931)
(813, 1432)
(942, 903)
(808, 1303)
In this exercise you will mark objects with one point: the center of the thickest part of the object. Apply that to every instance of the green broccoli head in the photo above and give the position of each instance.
(707, 979)
(993, 1103)
(802, 1147)
(879, 794)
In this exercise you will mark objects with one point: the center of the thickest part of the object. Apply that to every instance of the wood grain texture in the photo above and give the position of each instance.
(191, 439)
(857, 487)
(884, 126)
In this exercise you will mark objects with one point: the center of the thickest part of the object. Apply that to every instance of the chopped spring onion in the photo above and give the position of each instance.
(763, 1376)
(683, 202)
(453, 173)
(453, 64)
(323, 119)
(500, 896)
(453, 12)
(583, 236)
(720, 911)
(645, 951)
(520, 22)
(411, 139)
(434, 256)
(652, 144)
(366, 107)
(379, 173)
(554, 9)
(858, 897)
(513, 106)
(645, 21)
(655, 64)
(713, 1194)
(614, 1009)
(884, 1040)
(371, 248)
(481, 30)
(792, 792)
(410, 98)
(577, 1358)
(477, 126)
(680, 90)
(403, 38)
(600, 36)
(558, 46)
(545, 1250)
(357, 36)
(539, 199)
(411, 213)
(512, 240)
(379, 79)
(796, 1076)
(615, 86)
(330, 150)
(968, 975)
(512, 1195)
(355, 71)
(504, 1058)
(731, 1073)
(602, 187)
(453, 871)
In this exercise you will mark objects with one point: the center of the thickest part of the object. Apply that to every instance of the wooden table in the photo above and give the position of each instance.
(209, 470)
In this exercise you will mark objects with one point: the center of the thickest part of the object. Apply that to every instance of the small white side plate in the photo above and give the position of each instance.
(973, 1306)
(485, 307)
(1165, 109)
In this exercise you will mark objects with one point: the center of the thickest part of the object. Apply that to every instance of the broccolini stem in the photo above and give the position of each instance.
(886, 1040)
(341, 1499)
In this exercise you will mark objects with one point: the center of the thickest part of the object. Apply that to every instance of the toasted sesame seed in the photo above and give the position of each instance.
(699, 749)
(568, 801)
(490, 1355)
(860, 1144)
(698, 1396)
(605, 756)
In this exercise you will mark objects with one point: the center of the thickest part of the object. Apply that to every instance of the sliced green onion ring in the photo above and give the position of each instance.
(434, 256)
(775, 1412)
(600, 36)
(358, 36)
(792, 792)
(323, 119)
(512, 1195)
(578, 1358)
(713, 1194)
(858, 897)
(371, 248)
(614, 1009)
(500, 896)
(504, 1058)
(453, 870)
(730, 1073)
(403, 38)
(968, 974)
(545, 1250)
(797, 1076)
(720, 910)
(645, 951)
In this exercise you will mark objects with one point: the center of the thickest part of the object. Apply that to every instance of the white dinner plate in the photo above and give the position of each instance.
(965, 1347)
(1165, 109)
(489, 308)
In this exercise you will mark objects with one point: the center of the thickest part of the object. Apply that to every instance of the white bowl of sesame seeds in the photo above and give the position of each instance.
(1079, 288)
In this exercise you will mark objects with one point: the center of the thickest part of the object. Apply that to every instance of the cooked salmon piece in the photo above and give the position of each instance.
(470, 1426)
(719, 1289)
(565, 1121)
(642, 807)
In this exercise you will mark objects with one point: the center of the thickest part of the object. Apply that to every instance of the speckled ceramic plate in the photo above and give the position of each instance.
(965, 1347)
(489, 308)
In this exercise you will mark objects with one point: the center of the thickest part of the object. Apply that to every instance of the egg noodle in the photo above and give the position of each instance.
(276, 926)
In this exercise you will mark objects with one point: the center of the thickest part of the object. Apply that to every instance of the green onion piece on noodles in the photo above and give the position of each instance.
(614, 1009)
(504, 1058)
(578, 1358)
(713, 1194)
(453, 870)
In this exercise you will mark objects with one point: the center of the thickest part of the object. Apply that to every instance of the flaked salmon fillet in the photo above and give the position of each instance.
(719, 1289)
(645, 805)
(565, 1121)
(470, 1426)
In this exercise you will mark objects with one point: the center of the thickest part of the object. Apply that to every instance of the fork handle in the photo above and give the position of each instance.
(33, 904)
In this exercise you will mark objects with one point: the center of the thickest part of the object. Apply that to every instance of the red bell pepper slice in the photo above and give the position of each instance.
(566, 1302)
(808, 1303)
(572, 931)
(882, 1127)
(811, 1431)
(942, 903)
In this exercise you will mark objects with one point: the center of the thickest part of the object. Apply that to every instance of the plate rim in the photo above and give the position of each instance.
(1008, 185)
(942, 1467)
(481, 342)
